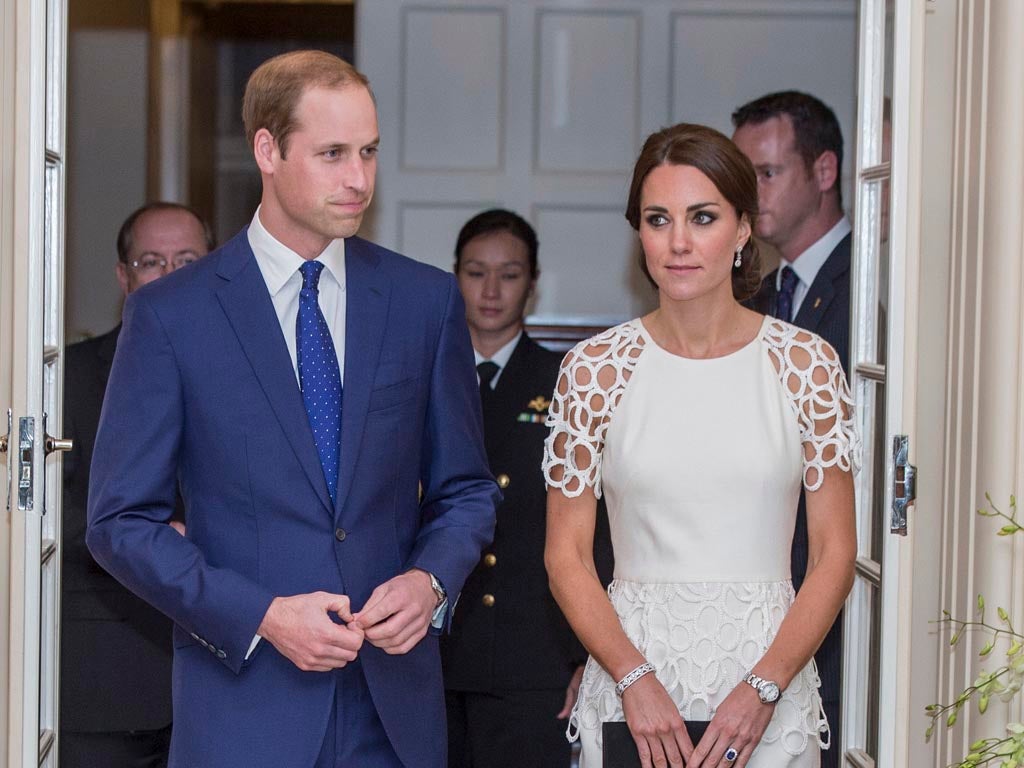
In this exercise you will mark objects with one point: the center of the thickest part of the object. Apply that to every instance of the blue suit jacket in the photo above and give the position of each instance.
(203, 391)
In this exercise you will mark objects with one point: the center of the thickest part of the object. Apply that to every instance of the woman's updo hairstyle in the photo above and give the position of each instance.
(714, 155)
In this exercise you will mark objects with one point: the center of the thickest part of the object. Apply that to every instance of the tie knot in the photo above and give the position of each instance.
(486, 371)
(789, 279)
(311, 274)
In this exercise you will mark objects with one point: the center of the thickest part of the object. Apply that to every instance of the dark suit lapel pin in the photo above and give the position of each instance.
(817, 302)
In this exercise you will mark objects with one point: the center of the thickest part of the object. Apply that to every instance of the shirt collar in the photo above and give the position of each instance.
(279, 263)
(809, 263)
(502, 356)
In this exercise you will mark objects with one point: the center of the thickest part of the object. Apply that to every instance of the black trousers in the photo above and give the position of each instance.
(507, 729)
(124, 749)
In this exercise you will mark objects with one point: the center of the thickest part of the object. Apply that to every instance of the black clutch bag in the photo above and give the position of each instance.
(619, 749)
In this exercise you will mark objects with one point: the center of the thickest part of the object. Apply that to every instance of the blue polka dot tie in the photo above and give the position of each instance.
(319, 375)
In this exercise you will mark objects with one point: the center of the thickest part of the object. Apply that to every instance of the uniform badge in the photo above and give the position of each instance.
(538, 411)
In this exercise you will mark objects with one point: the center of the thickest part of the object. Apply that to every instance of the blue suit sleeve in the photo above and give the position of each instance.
(459, 494)
(132, 495)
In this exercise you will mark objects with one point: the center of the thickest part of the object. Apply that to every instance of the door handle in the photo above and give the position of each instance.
(51, 444)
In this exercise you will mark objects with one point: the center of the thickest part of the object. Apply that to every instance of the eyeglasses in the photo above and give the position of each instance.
(152, 264)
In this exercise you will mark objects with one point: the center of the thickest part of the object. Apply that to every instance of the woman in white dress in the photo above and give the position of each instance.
(699, 422)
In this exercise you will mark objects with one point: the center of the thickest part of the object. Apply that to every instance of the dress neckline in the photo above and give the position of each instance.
(649, 339)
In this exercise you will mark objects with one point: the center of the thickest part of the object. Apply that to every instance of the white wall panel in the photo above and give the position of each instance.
(721, 60)
(427, 232)
(588, 90)
(588, 266)
(541, 106)
(106, 168)
(452, 89)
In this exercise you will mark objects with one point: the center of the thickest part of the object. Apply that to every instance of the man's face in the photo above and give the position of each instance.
(788, 192)
(495, 280)
(322, 188)
(171, 236)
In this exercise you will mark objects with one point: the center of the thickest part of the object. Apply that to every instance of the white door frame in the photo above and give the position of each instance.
(32, 260)
(896, 724)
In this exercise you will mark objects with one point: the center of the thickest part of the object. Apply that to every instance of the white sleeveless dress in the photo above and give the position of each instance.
(700, 463)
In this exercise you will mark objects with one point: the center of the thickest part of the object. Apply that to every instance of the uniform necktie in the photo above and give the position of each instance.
(784, 304)
(486, 370)
(319, 374)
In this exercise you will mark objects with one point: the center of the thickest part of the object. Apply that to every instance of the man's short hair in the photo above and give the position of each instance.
(814, 124)
(494, 221)
(126, 235)
(275, 87)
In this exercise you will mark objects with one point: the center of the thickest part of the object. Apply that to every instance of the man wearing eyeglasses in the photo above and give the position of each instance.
(115, 648)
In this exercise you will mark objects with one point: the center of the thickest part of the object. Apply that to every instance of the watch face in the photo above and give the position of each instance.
(769, 692)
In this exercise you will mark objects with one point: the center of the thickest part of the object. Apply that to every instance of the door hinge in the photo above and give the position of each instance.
(904, 484)
(5, 441)
(26, 452)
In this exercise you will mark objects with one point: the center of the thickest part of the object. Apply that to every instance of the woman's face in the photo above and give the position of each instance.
(689, 233)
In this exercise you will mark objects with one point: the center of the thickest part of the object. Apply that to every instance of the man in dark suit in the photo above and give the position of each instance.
(115, 683)
(512, 665)
(796, 147)
(302, 385)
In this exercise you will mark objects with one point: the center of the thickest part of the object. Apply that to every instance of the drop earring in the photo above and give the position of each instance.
(739, 257)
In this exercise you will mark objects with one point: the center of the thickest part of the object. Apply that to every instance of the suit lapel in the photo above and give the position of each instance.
(505, 405)
(105, 354)
(366, 306)
(247, 304)
(823, 290)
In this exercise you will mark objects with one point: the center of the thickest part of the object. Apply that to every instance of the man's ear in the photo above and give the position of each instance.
(121, 270)
(264, 147)
(826, 170)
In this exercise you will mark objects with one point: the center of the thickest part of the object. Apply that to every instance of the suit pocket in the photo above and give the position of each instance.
(391, 395)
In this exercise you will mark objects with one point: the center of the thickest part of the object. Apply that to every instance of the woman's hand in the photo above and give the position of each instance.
(656, 725)
(572, 693)
(739, 722)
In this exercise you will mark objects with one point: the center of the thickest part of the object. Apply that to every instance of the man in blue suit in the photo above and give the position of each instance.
(315, 397)
(796, 146)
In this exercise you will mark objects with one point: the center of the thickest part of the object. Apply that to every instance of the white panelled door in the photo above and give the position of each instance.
(33, 98)
(878, 729)
(542, 106)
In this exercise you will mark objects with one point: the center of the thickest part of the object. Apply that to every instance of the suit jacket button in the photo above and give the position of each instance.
(490, 560)
(488, 601)
(339, 534)
(503, 481)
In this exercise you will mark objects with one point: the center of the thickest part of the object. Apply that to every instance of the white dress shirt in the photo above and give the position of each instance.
(809, 263)
(499, 358)
(279, 265)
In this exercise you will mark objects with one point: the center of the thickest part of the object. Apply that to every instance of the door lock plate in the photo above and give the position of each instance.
(904, 484)
(26, 452)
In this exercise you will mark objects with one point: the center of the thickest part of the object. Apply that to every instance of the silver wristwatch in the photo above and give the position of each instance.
(767, 690)
(436, 618)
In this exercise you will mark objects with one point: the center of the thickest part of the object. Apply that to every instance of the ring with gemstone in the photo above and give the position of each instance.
(731, 754)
